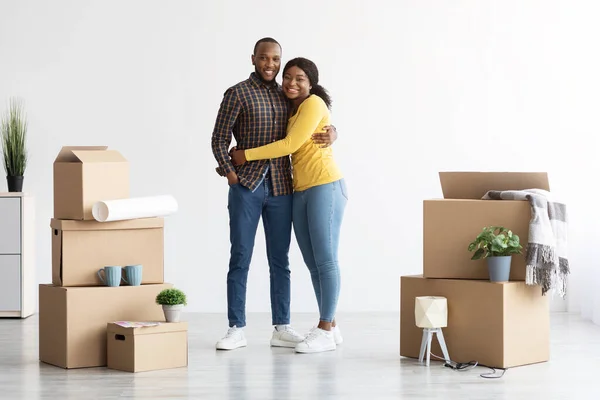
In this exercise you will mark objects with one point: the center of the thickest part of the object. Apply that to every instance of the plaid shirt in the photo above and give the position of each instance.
(256, 114)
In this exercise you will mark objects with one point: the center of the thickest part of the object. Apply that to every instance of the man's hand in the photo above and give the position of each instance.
(325, 139)
(238, 157)
(232, 178)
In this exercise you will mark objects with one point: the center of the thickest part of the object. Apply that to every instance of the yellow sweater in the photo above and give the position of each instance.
(312, 165)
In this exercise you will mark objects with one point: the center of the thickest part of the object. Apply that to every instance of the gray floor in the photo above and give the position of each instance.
(366, 366)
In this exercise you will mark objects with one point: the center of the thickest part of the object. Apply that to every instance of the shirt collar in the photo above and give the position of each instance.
(258, 82)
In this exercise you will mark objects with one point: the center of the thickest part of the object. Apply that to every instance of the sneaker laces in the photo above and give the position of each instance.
(233, 331)
(290, 330)
(312, 335)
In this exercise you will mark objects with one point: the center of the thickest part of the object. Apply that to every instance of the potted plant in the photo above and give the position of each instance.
(497, 245)
(172, 301)
(13, 132)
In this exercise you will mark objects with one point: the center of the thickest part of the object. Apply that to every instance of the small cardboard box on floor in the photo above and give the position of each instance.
(84, 175)
(137, 349)
(499, 325)
(451, 223)
(73, 320)
(81, 248)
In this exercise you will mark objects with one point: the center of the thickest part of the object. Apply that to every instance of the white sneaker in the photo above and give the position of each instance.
(286, 337)
(316, 341)
(337, 335)
(233, 339)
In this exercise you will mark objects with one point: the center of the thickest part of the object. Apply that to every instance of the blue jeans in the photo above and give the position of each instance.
(245, 209)
(318, 214)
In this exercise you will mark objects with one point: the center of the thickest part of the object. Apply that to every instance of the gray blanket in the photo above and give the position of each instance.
(546, 250)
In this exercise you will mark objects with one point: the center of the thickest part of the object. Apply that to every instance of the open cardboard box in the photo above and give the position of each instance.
(500, 325)
(451, 223)
(84, 175)
(81, 248)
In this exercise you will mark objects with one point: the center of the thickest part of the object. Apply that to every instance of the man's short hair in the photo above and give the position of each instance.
(265, 40)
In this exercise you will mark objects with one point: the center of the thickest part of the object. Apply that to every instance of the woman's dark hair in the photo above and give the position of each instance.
(311, 71)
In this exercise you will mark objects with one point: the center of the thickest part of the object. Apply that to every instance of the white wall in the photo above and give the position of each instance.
(418, 87)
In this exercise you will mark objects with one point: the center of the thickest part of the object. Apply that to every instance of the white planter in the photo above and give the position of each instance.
(172, 313)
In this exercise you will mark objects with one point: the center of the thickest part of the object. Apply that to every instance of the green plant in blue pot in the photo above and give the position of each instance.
(497, 245)
(172, 301)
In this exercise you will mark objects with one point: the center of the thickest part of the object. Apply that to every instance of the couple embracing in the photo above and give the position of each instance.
(270, 122)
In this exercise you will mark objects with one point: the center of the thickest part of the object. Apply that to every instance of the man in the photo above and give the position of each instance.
(256, 112)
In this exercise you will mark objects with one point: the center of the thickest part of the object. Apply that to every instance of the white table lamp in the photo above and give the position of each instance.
(431, 314)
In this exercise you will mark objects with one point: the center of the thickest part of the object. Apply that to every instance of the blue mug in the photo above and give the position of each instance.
(133, 275)
(112, 275)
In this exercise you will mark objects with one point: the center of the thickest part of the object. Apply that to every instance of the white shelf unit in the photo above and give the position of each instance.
(17, 255)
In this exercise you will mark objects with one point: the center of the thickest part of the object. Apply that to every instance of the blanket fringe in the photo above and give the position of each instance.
(546, 269)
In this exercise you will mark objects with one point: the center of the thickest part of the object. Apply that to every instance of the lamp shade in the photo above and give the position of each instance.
(431, 312)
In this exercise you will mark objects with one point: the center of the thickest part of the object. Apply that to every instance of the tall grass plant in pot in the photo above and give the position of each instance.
(497, 245)
(172, 302)
(13, 136)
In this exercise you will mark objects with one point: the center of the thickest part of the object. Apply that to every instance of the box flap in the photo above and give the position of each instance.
(95, 156)
(163, 327)
(66, 152)
(474, 185)
(50, 285)
(93, 225)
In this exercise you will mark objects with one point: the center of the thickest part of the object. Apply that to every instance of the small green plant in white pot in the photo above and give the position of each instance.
(497, 245)
(13, 139)
(172, 302)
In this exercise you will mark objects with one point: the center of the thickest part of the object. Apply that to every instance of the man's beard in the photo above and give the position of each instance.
(259, 75)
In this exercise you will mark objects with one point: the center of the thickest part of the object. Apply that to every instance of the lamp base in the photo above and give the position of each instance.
(426, 344)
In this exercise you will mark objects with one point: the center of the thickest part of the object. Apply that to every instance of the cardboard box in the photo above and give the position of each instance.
(450, 224)
(84, 175)
(81, 248)
(147, 348)
(72, 321)
(500, 325)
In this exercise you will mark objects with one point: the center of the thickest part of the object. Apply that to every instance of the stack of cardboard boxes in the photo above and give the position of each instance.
(75, 309)
(496, 324)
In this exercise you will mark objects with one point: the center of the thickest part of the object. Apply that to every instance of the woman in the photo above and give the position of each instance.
(319, 194)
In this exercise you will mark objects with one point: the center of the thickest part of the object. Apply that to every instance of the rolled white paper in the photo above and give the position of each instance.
(139, 207)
